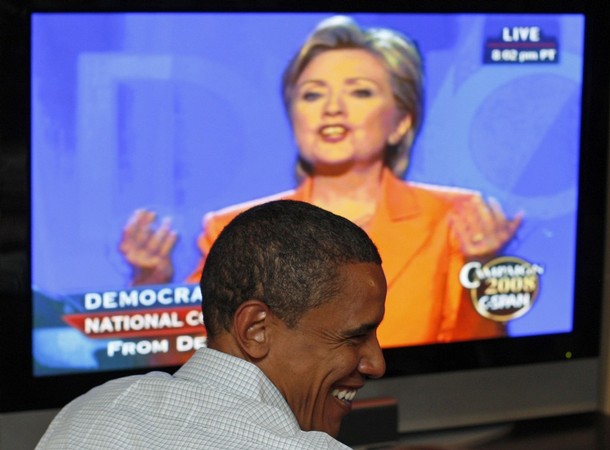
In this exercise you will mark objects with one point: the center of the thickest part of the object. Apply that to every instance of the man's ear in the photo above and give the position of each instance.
(251, 327)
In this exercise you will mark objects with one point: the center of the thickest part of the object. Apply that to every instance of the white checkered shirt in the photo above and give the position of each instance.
(215, 401)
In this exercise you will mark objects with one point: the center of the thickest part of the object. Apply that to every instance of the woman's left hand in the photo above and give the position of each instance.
(481, 227)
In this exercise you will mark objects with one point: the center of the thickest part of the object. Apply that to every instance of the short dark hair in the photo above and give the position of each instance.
(284, 253)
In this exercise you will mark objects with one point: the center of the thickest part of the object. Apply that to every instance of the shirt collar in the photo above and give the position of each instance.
(233, 375)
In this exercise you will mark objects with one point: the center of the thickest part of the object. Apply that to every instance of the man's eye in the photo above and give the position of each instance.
(358, 338)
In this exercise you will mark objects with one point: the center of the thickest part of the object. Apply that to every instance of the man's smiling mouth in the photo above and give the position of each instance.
(345, 395)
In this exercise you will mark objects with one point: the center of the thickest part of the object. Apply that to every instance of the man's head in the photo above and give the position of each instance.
(299, 292)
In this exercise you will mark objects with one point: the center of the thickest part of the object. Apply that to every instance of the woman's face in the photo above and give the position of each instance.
(343, 111)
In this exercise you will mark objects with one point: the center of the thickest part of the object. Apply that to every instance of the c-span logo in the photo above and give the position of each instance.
(502, 289)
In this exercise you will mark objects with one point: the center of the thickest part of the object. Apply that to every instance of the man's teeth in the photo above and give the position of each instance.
(344, 394)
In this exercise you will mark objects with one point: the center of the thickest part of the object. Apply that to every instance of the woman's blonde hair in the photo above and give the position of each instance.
(398, 54)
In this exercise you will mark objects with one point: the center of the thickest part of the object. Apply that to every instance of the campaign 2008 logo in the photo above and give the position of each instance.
(504, 288)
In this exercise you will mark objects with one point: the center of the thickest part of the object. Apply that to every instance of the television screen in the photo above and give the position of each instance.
(181, 114)
(134, 131)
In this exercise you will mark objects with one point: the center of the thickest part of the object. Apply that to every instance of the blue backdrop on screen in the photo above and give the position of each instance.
(182, 113)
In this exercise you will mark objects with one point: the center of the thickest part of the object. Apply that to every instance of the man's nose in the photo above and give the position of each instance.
(372, 362)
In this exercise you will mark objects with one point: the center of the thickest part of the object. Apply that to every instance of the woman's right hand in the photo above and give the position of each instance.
(482, 228)
(148, 249)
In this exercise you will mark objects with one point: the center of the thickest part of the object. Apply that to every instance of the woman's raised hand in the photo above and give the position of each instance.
(148, 249)
(481, 227)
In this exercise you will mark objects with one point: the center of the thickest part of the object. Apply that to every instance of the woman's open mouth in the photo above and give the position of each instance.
(333, 133)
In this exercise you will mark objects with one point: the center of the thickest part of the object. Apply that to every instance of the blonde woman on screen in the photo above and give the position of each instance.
(354, 99)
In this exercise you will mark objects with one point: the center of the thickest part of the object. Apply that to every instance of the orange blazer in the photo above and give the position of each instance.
(421, 260)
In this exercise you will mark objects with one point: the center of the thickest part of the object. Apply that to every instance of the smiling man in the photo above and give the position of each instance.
(293, 296)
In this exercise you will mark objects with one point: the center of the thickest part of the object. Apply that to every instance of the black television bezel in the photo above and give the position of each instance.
(22, 391)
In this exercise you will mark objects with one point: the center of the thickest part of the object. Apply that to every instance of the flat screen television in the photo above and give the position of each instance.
(176, 108)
